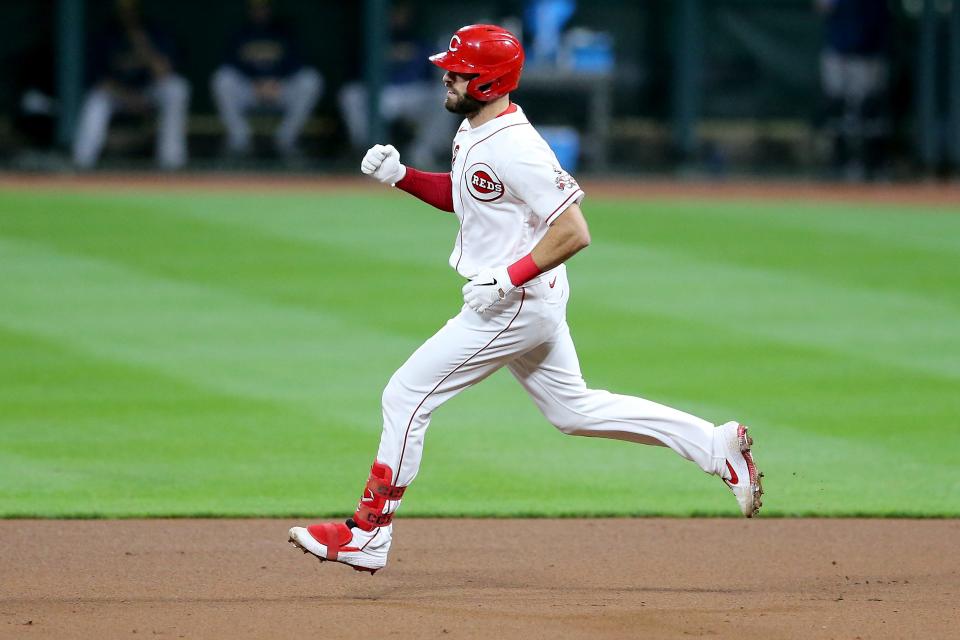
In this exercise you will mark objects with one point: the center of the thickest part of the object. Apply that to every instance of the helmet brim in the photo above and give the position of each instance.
(452, 63)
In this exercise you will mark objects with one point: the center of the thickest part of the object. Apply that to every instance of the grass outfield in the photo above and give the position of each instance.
(216, 354)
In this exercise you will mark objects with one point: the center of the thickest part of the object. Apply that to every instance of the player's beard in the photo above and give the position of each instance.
(463, 105)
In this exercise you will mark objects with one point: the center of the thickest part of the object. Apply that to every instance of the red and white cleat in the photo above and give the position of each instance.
(739, 471)
(352, 546)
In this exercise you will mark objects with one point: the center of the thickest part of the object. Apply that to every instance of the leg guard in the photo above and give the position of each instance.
(376, 494)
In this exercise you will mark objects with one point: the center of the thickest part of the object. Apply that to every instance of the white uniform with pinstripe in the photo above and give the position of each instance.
(507, 189)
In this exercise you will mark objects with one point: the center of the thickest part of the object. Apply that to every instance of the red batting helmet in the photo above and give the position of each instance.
(491, 52)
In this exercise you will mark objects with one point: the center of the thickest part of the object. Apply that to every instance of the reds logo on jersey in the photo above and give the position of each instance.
(482, 183)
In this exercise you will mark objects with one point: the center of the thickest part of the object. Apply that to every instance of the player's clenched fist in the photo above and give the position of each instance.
(487, 288)
(383, 163)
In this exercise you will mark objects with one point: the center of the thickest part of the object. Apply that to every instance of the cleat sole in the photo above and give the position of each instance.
(746, 442)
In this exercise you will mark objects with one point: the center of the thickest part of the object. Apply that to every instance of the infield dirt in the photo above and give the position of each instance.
(603, 578)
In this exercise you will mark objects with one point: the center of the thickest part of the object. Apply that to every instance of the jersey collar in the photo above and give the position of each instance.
(511, 108)
(513, 114)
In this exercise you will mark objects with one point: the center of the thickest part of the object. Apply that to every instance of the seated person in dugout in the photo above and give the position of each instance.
(264, 70)
(409, 94)
(133, 73)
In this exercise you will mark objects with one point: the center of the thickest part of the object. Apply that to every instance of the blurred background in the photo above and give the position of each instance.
(839, 89)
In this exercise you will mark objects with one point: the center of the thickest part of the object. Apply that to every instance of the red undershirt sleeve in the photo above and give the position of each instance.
(433, 188)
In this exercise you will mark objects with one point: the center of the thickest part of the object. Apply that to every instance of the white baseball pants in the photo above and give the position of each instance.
(527, 333)
(235, 95)
(170, 95)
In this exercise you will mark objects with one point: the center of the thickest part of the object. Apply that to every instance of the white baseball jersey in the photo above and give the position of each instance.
(507, 189)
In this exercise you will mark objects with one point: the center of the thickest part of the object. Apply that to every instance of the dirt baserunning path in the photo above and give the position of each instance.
(558, 579)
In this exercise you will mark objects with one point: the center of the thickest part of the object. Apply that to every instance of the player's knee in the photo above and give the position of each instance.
(570, 428)
(400, 404)
(395, 396)
(566, 421)
(352, 97)
(389, 395)
(223, 82)
(97, 99)
(310, 82)
(175, 90)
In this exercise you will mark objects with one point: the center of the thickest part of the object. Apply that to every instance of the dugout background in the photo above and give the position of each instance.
(690, 74)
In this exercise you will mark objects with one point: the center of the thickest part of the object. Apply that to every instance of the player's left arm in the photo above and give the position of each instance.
(533, 175)
(567, 235)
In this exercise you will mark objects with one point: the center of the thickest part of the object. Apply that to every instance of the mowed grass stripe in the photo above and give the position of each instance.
(353, 281)
(881, 251)
(91, 436)
(216, 339)
(905, 330)
(903, 225)
(896, 326)
(727, 376)
(364, 222)
(883, 261)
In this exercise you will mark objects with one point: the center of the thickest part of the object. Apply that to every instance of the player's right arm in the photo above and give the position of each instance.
(383, 163)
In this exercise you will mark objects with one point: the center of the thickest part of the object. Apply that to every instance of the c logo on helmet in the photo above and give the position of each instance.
(455, 43)
(482, 183)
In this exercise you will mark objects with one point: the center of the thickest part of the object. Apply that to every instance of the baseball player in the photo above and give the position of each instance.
(134, 71)
(409, 93)
(520, 221)
(264, 71)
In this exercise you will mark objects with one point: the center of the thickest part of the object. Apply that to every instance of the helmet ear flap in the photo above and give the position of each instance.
(481, 91)
(485, 87)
